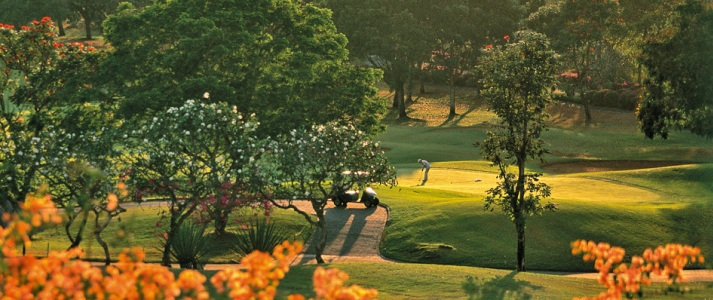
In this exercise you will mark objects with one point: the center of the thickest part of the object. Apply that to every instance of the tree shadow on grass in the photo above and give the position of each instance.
(499, 287)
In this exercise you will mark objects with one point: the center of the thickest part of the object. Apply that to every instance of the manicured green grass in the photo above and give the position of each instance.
(444, 221)
(419, 281)
(138, 228)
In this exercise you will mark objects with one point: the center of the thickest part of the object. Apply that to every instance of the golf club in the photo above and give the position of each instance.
(420, 179)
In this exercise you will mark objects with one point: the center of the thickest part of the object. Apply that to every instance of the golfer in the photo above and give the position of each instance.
(425, 166)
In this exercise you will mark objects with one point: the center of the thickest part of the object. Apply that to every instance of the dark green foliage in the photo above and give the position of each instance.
(191, 247)
(679, 91)
(516, 80)
(261, 235)
(627, 98)
(282, 60)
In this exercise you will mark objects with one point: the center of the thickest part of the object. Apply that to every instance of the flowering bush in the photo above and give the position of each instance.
(230, 199)
(308, 164)
(44, 84)
(620, 278)
(63, 275)
(191, 153)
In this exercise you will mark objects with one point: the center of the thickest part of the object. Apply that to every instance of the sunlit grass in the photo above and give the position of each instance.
(137, 228)
(419, 281)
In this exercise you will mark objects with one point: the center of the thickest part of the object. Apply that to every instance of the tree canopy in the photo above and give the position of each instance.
(282, 60)
(679, 89)
(516, 81)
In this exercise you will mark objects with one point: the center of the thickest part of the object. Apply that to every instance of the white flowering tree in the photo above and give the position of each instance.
(187, 154)
(309, 165)
(79, 165)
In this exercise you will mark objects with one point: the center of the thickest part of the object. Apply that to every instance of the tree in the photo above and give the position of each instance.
(310, 165)
(282, 60)
(678, 91)
(642, 21)
(579, 30)
(386, 34)
(38, 78)
(187, 154)
(462, 27)
(517, 78)
(50, 130)
(93, 12)
(21, 12)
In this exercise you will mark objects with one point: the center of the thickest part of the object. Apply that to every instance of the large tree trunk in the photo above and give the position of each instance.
(520, 228)
(76, 239)
(421, 79)
(98, 228)
(395, 103)
(402, 104)
(587, 113)
(322, 243)
(220, 224)
(60, 27)
(452, 95)
(87, 25)
(166, 259)
(409, 90)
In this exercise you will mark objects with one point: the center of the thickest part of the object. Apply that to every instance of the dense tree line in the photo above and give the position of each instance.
(161, 108)
(603, 45)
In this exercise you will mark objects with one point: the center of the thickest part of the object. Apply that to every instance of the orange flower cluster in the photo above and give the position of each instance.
(260, 273)
(621, 278)
(62, 275)
(36, 210)
(329, 284)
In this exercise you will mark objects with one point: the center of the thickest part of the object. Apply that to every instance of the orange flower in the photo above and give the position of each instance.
(112, 202)
(62, 276)
(668, 260)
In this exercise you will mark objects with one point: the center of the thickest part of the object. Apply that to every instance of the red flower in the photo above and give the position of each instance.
(488, 46)
(507, 37)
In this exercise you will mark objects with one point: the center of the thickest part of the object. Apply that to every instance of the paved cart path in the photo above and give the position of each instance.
(353, 234)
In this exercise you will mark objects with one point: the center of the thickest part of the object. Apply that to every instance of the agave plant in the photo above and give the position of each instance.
(261, 235)
(191, 247)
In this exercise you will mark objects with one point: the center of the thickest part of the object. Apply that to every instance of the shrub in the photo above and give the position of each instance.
(191, 247)
(261, 235)
(62, 276)
(620, 278)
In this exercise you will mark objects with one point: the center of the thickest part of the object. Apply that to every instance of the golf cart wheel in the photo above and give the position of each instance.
(376, 201)
(337, 202)
(367, 203)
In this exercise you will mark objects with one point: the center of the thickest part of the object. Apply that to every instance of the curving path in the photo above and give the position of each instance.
(353, 234)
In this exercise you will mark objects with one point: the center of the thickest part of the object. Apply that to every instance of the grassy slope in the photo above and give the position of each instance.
(444, 222)
(419, 281)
